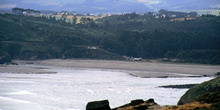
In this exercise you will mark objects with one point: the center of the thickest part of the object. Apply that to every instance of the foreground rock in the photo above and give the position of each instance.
(98, 105)
(138, 104)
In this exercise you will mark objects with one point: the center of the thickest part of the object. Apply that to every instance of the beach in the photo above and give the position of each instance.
(135, 68)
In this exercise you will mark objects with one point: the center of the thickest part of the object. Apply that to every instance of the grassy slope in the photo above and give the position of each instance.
(196, 91)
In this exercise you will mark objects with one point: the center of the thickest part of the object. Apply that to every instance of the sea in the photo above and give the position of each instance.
(73, 88)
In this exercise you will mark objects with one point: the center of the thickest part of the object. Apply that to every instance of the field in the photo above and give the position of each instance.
(209, 11)
(181, 19)
(78, 17)
(204, 11)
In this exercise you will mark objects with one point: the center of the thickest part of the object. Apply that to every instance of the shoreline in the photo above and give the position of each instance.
(134, 68)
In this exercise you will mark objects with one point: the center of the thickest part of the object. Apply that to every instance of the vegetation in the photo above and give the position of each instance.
(204, 96)
(207, 92)
(212, 98)
(40, 37)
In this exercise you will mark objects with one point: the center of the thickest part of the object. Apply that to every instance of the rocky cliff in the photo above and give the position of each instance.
(199, 90)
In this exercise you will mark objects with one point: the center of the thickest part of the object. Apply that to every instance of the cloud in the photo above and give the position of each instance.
(215, 6)
(149, 1)
(8, 5)
(51, 3)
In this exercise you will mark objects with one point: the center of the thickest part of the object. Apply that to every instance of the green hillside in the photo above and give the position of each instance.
(27, 37)
(207, 92)
(133, 35)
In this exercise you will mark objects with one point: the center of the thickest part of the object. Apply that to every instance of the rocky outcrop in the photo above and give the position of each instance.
(198, 90)
(137, 104)
(184, 86)
(140, 104)
(98, 105)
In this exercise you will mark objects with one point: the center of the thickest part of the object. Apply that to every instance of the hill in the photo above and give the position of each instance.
(130, 35)
(31, 38)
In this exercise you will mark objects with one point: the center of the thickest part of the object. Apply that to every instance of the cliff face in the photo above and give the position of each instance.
(199, 91)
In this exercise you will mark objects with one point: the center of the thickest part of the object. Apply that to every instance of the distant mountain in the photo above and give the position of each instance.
(109, 6)
(187, 4)
(112, 6)
(94, 6)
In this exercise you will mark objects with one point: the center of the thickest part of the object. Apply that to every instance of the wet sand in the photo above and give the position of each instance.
(139, 69)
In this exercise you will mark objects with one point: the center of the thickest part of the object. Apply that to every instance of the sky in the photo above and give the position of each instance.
(14, 3)
(108, 5)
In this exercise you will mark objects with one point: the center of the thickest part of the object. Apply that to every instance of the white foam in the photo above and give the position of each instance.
(21, 93)
(14, 100)
(91, 91)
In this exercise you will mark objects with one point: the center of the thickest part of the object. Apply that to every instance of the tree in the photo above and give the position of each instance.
(20, 11)
(64, 17)
(74, 19)
(83, 20)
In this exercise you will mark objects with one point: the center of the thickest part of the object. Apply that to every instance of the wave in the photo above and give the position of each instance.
(14, 100)
(21, 93)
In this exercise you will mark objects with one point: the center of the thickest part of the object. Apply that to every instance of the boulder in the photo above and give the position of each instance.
(150, 101)
(98, 105)
(136, 102)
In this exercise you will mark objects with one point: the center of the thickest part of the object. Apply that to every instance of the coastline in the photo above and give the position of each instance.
(115, 84)
(134, 68)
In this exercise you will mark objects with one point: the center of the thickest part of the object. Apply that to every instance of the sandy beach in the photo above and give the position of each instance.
(140, 69)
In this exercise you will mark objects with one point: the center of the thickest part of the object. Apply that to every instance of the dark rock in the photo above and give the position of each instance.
(150, 101)
(98, 105)
(136, 102)
(218, 73)
(139, 104)
(183, 86)
(141, 107)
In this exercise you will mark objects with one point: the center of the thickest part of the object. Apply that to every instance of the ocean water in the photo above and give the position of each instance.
(72, 89)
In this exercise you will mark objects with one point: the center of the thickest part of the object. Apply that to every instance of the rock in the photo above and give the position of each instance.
(98, 105)
(141, 107)
(150, 101)
(136, 102)
(183, 86)
(139, 104)
(198, 90)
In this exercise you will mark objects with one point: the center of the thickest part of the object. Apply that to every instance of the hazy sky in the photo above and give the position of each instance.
(110, 5)
(60, 3)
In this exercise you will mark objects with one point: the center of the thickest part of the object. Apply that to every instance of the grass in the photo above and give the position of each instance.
(78, 17)
(181, 19)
